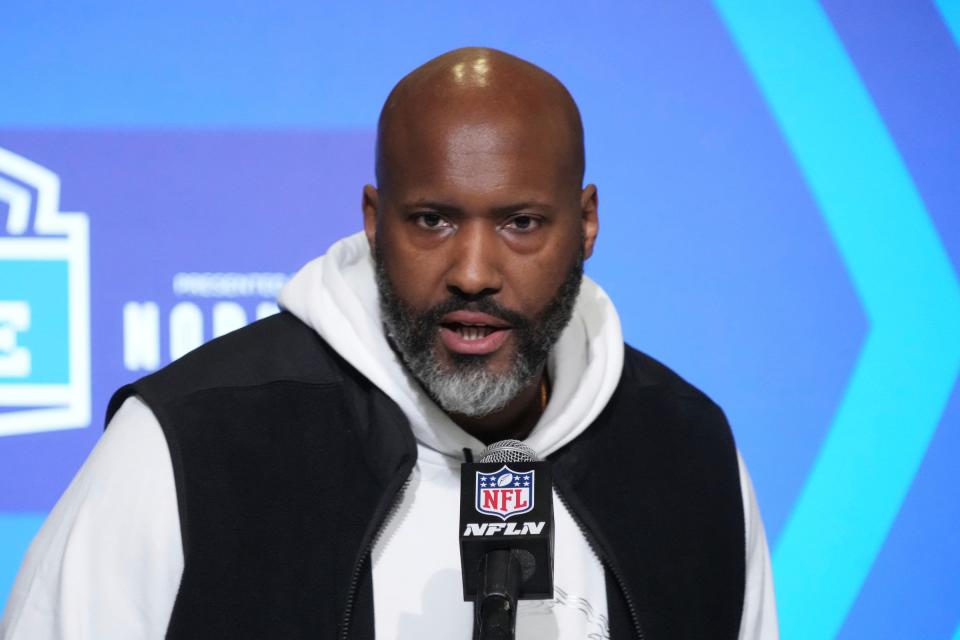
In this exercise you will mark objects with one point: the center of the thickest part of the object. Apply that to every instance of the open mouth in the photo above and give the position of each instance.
(472, 332)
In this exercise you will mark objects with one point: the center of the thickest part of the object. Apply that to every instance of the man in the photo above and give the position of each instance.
(300, 477)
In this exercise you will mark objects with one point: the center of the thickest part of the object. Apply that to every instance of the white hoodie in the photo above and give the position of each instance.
(108, 561)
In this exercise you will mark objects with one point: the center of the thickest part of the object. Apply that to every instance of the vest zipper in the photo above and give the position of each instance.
(365, 553)
(607, 562)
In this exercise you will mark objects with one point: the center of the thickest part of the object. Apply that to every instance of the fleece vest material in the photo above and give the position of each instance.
(287, 462)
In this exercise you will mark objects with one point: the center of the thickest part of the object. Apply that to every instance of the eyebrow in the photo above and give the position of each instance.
(431, 204)
(443, 207)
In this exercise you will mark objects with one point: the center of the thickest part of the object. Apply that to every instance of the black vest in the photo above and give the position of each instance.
(287, 461)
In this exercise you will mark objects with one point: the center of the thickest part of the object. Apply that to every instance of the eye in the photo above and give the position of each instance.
(523, 223)
(431, 221)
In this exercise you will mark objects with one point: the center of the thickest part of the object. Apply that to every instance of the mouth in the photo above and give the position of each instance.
(473, 333)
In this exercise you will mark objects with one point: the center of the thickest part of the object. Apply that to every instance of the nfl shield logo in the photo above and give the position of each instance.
(504, 493)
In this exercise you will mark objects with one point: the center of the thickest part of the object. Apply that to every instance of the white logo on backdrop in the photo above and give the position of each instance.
(44, 303)
(210, 305)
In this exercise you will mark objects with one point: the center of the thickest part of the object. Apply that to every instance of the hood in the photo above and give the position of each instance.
(336, 295)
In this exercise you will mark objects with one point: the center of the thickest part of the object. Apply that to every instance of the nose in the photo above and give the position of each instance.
(475, 270)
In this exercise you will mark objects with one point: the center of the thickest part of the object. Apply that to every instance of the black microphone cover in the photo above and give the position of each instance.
(506, 503)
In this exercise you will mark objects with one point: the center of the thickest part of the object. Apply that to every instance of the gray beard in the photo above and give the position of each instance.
(467, 387)
(468, 391)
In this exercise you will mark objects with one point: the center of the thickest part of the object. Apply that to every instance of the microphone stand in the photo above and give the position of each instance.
(495, 608)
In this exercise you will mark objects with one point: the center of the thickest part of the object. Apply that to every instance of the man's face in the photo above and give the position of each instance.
(479, 236)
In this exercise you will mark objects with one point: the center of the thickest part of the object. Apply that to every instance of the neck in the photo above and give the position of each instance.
(514, 421)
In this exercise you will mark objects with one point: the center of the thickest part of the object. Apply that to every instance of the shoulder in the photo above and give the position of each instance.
(655, 414)
(645, 375)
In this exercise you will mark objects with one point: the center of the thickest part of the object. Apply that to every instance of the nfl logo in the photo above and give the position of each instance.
(504, 493)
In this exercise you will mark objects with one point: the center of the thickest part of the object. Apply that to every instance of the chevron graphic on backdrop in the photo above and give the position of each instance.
(911, 356)
(950, 10)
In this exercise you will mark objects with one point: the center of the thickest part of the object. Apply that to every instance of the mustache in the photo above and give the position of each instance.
(481, 305)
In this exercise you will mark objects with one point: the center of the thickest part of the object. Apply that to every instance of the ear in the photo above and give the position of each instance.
(371, 202)
(589, 218)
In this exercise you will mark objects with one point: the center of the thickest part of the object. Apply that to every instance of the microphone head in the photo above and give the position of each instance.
(508, 451)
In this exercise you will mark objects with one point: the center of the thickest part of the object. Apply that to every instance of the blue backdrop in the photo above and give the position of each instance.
(779, 207)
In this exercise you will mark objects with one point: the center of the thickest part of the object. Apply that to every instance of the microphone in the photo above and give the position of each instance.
(506, 535)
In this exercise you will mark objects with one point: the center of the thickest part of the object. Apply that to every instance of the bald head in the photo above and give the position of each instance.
(475, 99)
